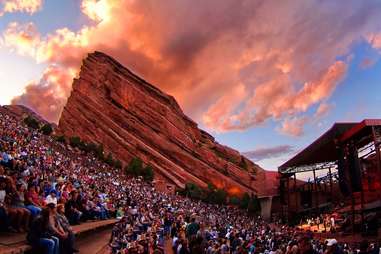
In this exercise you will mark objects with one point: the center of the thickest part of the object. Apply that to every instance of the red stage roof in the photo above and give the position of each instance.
(323, 149)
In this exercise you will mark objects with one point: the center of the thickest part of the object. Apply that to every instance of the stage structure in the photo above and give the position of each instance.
(346, 167)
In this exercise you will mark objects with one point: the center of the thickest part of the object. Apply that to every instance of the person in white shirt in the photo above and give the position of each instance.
(51, 198)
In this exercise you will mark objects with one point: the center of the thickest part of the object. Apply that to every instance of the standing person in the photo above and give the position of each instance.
(192, 228)
(333, 226)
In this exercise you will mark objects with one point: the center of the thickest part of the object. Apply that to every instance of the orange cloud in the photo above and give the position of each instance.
(49, 95)
(322, 110)
(28, 6)
(293, 126)
(231, 65)
(23, 38)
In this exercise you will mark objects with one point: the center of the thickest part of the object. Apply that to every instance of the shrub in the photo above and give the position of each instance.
(109, 160)
(219, 196)
(118, 164)
(254, 206)
(192, 190)
(99, 152)
(47, 129)
(32, 123)
(91, 147)
(235, 201)
(148, 174)
(135, 167)
(75, 141)
(245, 201)
(60, 139)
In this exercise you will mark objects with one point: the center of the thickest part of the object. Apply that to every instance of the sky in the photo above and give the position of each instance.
(264, 77)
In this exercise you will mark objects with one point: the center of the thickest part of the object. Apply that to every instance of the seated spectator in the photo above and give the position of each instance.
(63, 221)
(40, 237)
(4, 213)
(72, 208)
(57, 229)
(16, 207)
(52, 197)
(20, 200)
(33, 197)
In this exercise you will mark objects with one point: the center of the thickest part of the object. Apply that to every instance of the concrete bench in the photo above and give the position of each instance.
(15, 243)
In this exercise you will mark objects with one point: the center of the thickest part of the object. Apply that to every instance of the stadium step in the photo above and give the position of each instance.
(12, 243)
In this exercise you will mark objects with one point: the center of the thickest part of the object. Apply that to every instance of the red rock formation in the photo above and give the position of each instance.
(131, 118)
(20, 112)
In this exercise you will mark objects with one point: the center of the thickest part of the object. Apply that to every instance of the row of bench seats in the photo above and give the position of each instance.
(15, 243)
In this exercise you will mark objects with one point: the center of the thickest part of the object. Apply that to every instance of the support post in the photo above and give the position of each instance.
(376, 142)
(288, 199)
(316, 191)
(296, 195)
(331, 183)
(353, 212)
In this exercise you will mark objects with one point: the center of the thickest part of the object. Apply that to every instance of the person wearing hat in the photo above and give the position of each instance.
(332, 247)
(52, 197)
(60, 228)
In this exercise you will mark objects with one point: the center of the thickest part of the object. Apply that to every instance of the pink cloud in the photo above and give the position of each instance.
(28, 6)
(231, 65)
(322, 110)
(293, 126)
(49, 94)
(367, 63)
(22, 38)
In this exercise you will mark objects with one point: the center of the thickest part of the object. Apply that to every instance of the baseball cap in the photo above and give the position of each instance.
(331, 242)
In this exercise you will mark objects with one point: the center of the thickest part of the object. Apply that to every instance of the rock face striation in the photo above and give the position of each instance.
(131, 118)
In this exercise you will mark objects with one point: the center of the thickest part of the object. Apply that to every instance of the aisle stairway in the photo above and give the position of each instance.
(12, 243)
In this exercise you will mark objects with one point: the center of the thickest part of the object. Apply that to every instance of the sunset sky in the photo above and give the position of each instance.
(264, 77)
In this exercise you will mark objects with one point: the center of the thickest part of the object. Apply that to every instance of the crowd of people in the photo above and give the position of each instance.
(197, 227)
(47, 186)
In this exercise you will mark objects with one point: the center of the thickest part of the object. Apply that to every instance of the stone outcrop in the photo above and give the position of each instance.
(20, 112)
(131, 118)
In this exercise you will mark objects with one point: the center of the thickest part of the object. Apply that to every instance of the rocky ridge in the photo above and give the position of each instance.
(132, 118)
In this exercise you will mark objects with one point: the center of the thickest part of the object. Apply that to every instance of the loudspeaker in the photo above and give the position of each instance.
(343, 176)
(354, 169)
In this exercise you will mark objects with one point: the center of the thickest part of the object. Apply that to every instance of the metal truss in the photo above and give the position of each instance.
(326, 178)
(308, 168)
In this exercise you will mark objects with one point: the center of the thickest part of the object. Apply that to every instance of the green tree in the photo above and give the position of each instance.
(245, 201)
(254, 206)
(220, 196)
(60, 139)
(192, 190)
(118, 164)
(75, 141)
(148, 174)
(47, 129)
(235, 201)
(99, 152)
(32, 123)
(135, 167)
(92, 147)
(109, 160)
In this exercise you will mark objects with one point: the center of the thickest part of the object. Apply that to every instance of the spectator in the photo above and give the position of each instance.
(39, 235)
(52, 197)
